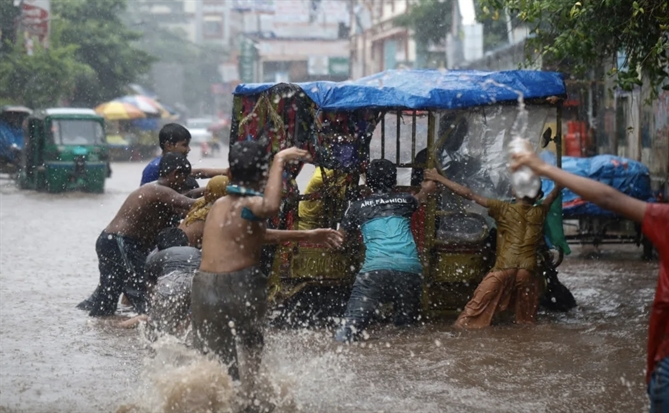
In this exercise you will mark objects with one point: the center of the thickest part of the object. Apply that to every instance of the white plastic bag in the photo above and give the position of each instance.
(525, 183)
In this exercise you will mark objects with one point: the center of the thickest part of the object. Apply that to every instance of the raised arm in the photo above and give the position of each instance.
(590, 190)
(269, 204)
(329, 237)
(204, 173)
(548, 201)
(463, 191)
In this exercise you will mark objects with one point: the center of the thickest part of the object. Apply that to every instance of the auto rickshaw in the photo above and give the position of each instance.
(65, 150)
(11, 137)
(457, 121)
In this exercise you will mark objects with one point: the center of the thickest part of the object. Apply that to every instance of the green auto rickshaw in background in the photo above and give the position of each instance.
(65, 150)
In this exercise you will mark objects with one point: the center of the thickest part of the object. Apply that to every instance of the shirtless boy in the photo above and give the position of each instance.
(512, 282)
(123, 246)
(229, 293)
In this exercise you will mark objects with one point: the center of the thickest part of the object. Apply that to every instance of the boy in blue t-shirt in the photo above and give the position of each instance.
(174, 138)
(392, 271)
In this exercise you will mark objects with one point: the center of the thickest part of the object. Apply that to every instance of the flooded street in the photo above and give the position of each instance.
(54, 358)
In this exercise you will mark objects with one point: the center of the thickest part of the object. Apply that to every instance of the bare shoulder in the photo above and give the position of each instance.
(158, 192)
(220, 208)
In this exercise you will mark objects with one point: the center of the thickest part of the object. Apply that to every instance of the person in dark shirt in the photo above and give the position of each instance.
(392, 271)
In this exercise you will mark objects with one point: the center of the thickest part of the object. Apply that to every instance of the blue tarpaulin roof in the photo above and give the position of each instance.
(426, 89)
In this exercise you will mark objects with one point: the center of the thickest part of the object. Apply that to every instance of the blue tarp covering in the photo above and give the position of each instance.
(426, 89)
(9, 136)
(629, 177)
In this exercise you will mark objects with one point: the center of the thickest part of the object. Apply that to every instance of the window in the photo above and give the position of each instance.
(77, 132)
(212, 27)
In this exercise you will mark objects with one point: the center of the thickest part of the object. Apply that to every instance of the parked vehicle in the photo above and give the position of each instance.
(65, 149)
(11, 137)
(198, 130)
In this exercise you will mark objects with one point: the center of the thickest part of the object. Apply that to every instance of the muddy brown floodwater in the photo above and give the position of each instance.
(53, 358)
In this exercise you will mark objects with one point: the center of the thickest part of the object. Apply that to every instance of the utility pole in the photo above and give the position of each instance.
(198, 21)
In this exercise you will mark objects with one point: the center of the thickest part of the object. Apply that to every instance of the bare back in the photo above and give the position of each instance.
(230, 242)
(144, 213)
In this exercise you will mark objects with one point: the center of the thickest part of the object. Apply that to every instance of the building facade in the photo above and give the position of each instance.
(376, 42)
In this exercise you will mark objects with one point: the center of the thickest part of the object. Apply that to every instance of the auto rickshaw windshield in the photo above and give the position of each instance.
(77, 132)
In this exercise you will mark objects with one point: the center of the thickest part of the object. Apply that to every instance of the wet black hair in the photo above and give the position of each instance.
(173, 133)
(381, 175)
(171, 237)
(171, 162)
(248, 162)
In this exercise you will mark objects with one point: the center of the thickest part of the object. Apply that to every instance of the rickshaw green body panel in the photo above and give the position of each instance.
(65, 150)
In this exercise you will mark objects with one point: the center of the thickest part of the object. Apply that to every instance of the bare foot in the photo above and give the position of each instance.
(133, 322)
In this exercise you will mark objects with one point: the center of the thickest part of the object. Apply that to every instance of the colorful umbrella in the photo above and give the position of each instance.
(147, 105)
(143, 103)
(119, 111)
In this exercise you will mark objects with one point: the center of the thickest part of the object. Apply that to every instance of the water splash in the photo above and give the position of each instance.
(519, 127)
(178, 379)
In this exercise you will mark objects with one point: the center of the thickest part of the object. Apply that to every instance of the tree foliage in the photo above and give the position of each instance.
(582, 34)
(90, 59)
(39, 80)
(8, 18)
(103, 43)
(430, 20)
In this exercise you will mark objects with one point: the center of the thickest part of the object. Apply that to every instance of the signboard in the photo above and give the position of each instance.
(35, 21)
(259, 6)
(338, 66)
(246, 60)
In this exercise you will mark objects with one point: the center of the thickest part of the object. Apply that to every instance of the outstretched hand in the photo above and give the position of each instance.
(529, 159)
(333, 239)
(294, 154)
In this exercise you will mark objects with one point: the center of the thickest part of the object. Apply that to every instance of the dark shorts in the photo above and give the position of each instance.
(226, 307)
(121, 264)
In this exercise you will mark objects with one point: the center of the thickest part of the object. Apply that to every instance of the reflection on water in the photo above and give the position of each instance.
(54, 358)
